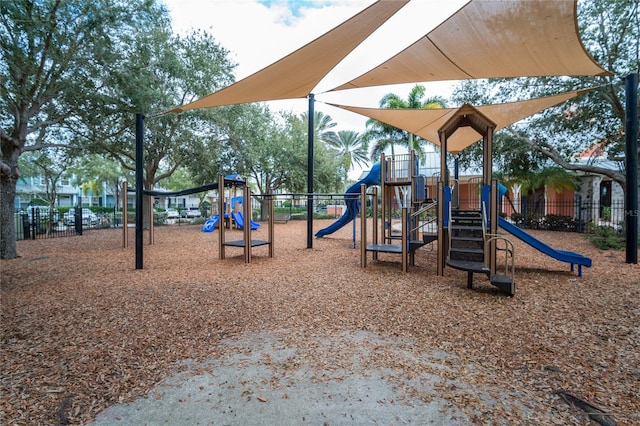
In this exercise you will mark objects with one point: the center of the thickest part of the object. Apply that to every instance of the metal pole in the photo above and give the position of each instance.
(310, 160)
(139, 187)
(455, 196)
(631, 153)
(125, 223)
(221, 219)
(363, 227)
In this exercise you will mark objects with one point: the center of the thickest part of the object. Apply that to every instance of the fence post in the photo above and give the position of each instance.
(33, 224)
(77, 216)
(579, 205)
(631, 155)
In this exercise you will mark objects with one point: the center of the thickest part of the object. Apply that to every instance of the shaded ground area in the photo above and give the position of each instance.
(82, 330)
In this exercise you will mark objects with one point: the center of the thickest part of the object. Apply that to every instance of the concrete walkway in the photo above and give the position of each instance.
(258, 381)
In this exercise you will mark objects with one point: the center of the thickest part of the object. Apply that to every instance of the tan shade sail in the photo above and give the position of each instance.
(492, 39)
(426, 122)
(295, 75)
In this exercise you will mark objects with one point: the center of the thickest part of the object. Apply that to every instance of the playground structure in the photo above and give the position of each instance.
(468, 245)
(402, 189)
(247, 243)
(232, 213)
(494, 57)
(230, 181)
(467, 233)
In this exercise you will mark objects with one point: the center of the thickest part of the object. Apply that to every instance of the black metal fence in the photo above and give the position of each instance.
(564, 215)
(39, 222)
(532, 213)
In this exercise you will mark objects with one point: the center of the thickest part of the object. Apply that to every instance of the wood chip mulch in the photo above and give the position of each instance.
(83, 330)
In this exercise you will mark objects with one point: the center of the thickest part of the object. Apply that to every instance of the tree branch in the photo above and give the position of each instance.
(554, 156)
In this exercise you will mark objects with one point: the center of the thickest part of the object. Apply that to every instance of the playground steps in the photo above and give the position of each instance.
(466, 251)
(467, 236)
(429, 237)
(504, 283)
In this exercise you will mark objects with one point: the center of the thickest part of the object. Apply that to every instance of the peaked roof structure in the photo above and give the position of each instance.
(492, 39)
(295, 75)
(426, 122)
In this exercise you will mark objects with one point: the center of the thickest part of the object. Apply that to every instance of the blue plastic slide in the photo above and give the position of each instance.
(211, 223)
(561, 255)
(352, 201)
(239, 219)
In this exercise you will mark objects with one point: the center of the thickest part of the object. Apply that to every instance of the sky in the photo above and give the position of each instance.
(257, 33)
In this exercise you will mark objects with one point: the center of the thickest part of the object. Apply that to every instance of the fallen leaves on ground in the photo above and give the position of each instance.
(82, 329)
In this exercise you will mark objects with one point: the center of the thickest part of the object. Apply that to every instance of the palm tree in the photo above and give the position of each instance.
(532, 183)
(321, 125)
(386, 136)
(92, 188)
(351, 149)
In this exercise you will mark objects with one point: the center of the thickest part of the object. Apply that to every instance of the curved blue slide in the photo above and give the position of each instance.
(211, 223)
(239, 219)
(352, 202)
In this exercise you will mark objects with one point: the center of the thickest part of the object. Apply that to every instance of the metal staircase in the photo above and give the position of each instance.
(468, 245)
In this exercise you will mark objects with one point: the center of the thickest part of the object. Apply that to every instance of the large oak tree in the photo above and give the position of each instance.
(53, 53)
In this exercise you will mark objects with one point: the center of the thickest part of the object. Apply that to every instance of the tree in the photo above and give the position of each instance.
(272, 150)
(49, 165)
(385, 136)
(326, 169)
(93, 170)
(351, 149)
(610, 30)
(162, 71)
(53, 54)
(534, 182)
(322, 125)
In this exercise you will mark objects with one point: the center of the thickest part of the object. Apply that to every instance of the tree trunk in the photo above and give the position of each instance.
(264, 208)
(7, 221)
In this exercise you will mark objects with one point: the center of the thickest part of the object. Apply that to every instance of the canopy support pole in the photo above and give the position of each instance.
(310, 160)
(139, 187)
(631, 154)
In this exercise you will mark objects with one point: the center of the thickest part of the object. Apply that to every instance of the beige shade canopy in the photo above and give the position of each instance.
(426, 122)
(492, 39)
(295, 75)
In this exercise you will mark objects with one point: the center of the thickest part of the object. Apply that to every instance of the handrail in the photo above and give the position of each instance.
(426, 222)
(509, 260)
(424, 209)
(484, 223)
(449, 233)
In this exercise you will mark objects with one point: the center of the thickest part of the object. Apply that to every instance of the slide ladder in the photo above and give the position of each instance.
(469, 244)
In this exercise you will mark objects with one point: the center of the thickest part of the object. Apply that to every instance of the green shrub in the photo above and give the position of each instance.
(102, 210)
(554, 222)
(198, 220)
(605, 237)
(38, 202)
(517, 218)
(321, 215)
